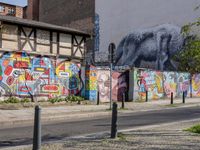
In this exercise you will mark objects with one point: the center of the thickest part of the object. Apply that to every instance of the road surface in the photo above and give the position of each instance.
(57, 131)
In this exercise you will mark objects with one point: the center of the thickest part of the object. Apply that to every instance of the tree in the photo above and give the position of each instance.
(189, 57)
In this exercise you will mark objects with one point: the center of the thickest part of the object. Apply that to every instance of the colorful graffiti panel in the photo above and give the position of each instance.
(170, 83)
(150, 81)
(196, 85)
(91, 83)
(24, 75)
(103, 82)
(68, 78)
(119, 85)
(183, 84)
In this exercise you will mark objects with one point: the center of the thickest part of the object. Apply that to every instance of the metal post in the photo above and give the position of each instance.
(146, 96)
(123, 100)
(183, 97)
(110, 85)
(37, 129)
(172, 98)
(98, 98)
(114, 121)
(111, 50)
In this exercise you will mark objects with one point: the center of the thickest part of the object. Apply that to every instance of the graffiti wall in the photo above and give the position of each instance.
(196, 85)
(103, 84)
(170, 83)
(183, 84)
(150, 81)
(22, 75)
(119, 85)
(91, 83)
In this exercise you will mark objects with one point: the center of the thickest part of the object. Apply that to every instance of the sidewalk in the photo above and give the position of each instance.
(78, 112)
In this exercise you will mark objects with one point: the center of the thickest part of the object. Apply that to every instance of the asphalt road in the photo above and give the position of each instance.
(58, 131)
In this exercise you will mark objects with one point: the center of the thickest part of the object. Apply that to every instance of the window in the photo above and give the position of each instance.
(11, 11)
(2, 8)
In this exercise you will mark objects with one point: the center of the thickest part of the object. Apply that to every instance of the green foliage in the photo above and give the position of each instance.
(56, 99)
(121, 136)
(70, 98)
(16, 100)
(189, 58)
(12, 100)
(194, 129)
(73, 98)
(25, 100)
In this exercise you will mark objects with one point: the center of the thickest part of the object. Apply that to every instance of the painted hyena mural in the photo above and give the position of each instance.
(22, 75)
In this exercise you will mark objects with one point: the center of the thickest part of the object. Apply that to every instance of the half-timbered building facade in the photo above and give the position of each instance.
(40, 59)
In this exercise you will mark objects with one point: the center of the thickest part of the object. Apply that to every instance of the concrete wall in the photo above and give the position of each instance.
(118, 18)
(23, 75)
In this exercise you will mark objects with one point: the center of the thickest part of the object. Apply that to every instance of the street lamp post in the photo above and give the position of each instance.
(111, 49)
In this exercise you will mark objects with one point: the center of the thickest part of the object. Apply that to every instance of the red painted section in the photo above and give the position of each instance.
(10, 80)
(20, 64)
(50, 88)
(8, 70)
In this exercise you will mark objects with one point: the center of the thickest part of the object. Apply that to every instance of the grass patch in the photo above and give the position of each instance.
(194, 129)
(121, 136)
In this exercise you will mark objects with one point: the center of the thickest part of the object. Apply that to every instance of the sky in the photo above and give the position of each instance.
(15, 2)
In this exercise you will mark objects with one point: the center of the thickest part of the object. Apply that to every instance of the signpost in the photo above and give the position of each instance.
(111, 50)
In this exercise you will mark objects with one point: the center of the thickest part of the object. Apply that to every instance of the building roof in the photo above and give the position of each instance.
(10, 4)
(42, 25)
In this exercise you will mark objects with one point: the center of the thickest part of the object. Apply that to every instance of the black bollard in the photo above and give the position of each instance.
(37, 129)
(98, 98)
(146, 96)
(172, 98)
(123, 100)
(114, 121)
(184, 97)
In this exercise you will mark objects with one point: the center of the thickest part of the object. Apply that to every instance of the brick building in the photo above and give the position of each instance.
(11, 10)
(77, 14)
(32, 10)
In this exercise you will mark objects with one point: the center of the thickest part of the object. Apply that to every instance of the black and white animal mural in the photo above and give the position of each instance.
(151, 48)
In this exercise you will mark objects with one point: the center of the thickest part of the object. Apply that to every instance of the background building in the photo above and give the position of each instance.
(112, 20)
(11, 10)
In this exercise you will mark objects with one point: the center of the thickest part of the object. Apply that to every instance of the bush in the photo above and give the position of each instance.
(25, 100)
(56, 99)
(70, 98)
(73, 98)
(12, 100)
(194, 129)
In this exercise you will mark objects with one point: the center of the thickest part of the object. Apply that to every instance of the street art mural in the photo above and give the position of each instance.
(170, 83)
(146, 80)
(103, 82)
(24, 75)
(183, 84)
(196, 85)
(119, 85)
(68, 78)
(154, 46)
(91, 83)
